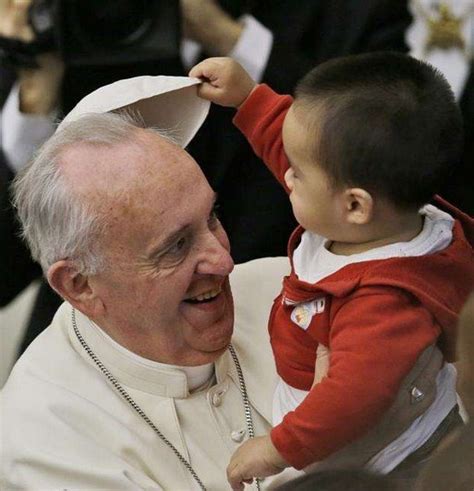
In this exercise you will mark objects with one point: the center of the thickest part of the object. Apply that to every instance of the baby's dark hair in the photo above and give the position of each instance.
(385, 122)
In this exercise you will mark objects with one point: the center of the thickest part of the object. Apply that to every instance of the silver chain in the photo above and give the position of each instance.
(116, 384)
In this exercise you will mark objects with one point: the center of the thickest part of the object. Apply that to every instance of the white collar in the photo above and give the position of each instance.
(134, 371)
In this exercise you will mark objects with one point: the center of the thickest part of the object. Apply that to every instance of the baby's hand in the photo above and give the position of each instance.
(225, 82)
(256, 457)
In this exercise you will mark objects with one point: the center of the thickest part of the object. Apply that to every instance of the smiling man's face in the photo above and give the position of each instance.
(165, 288)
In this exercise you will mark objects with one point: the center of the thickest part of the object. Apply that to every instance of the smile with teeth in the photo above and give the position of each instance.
(205, 297)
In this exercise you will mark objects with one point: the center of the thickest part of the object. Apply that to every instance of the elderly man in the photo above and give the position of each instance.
(135, 384)
(123, 224)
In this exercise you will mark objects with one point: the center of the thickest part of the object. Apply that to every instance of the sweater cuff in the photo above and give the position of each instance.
(290, 448)
(260, 101)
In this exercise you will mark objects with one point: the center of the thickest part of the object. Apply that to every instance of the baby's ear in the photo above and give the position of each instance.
(358, 206)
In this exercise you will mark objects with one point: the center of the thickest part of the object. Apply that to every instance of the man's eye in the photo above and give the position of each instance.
(179, 246)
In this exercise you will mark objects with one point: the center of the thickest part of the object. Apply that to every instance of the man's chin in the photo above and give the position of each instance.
(219, 336)
(220, 351)
(210, 324)
(208, 352)
(214, 340)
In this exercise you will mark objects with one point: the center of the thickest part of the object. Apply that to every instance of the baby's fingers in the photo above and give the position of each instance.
(211, 69)
(237, 477)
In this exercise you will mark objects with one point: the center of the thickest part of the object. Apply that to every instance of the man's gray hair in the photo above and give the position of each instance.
(57, 223)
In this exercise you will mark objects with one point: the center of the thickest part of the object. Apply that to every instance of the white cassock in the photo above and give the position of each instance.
(65, 427)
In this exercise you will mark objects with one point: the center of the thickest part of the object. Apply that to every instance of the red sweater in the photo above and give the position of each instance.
(378, 317)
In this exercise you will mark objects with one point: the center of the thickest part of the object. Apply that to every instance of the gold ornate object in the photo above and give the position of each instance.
(444, 31)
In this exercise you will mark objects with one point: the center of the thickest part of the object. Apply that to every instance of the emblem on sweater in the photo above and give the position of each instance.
(304, 312)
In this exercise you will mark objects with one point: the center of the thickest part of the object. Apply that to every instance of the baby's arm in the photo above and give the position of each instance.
(375, 340)
(259, 457)
(261, 111)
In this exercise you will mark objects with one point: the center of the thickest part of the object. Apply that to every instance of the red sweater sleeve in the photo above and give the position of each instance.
(260, 119)
(375, 339)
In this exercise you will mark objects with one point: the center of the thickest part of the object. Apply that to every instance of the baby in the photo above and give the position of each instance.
(377, 274)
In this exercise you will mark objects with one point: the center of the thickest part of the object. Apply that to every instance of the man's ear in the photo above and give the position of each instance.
(75, 288)
(358, 206)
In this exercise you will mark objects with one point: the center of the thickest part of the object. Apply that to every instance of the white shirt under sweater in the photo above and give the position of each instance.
(312, 262)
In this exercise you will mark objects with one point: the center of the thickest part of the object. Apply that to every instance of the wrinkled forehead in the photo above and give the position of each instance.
(141, 188)
(143, 159)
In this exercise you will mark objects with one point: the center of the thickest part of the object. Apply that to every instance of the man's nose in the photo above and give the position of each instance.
(215, 257)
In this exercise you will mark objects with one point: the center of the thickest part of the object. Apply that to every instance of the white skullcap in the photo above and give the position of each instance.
(168, 103)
